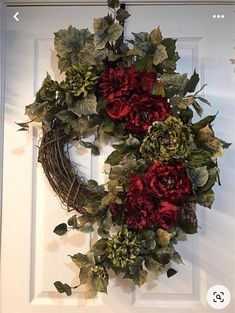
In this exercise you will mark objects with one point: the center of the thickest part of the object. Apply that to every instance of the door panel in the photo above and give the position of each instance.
(33, 257)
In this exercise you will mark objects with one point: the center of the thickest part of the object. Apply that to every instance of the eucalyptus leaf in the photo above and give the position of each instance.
(72, 221)
(61, 288)
(61, 229)
(171, 272)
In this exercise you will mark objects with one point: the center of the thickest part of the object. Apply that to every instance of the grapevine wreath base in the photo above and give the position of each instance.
(163, 163)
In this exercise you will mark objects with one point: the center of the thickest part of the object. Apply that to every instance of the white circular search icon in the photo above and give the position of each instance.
(218, 297)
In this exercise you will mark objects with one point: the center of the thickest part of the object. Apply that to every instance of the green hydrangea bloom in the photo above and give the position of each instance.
(100, 272)
(167, 140)
(123, 249)
(80, 79)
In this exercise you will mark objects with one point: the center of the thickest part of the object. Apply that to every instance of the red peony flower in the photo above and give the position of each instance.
(167, 215)
(140, 205)
(114, 83)
(144, 110)
(117, 108)
(168, 180)
(141, 81)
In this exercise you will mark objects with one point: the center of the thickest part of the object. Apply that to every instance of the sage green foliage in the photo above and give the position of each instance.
(70, 45)
(80, 79)
(44, 100)
(167, 140)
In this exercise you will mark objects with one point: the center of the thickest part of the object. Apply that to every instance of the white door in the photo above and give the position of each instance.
(32, 256)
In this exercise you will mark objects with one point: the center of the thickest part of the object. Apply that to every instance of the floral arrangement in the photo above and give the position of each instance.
(162, 165)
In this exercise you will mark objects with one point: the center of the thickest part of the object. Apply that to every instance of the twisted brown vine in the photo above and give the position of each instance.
(62, 174)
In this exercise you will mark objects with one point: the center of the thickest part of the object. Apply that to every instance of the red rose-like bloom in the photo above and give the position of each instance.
(117, 108)
(167, 215)
(168, 180)
(114, 83)
(144, 110)
(140, 206)
(141, 81)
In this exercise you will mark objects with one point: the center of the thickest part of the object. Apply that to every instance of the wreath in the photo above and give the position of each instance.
(163, 163)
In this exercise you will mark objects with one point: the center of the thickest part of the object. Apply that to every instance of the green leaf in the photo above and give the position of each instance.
(140, 278)
(192, 83)
(35, 111)
(23, 125)
(213, 174)
(63, 288)
(152, 265)
(85, 274)
(197, 108)
(22, 129)
(225, 144)
(114, 32)
(79, 259)
(91, 291)
(122, 15)
(171, 272)
(106, 222)
(99, 247)
(108, 125)
(206, 199)
(144, 63)
(204, 100)
(170, 45)
(92, 184)
(174, 84)
(100, 25)
(204, 122)
(177, 258)
(155, 36)
(95, 150)
(199, 176)
(100, 41)
(199, 158)
(114, 158)
(113, 3)
(86, 144)
(72, 221)
(68, 42)
(159, 54)
(63, 64)
(85, 106)
(101, 284)
(61, 229)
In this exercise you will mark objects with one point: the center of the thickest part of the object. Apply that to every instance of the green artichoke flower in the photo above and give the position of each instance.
(167, 140)
(123, 249)
(80, 79)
